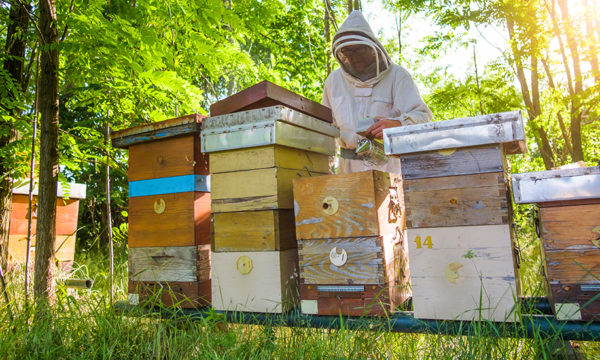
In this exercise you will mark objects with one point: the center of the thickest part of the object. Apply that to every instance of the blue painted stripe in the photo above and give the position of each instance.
(169, 185)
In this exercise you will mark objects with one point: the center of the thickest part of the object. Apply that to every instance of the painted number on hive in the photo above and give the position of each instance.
(426, 243)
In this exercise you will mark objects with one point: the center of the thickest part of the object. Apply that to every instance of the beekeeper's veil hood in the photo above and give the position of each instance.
(356, 31)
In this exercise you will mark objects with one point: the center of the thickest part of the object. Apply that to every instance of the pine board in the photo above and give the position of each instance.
(262, 230)
(185, 220)
(66, 215)
(573, 266)
(203, 258)
(270, 286)
(180, 294)
(460, 263)
(372, 301)
(163, 264)
(571, 227)
(462, 161)
(168, 157)
(64, 248)
(259, 189)
(362, 200)
(479, 199)
(267, 157)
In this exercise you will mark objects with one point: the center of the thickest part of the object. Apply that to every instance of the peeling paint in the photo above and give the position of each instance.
(296, 208)
(368, 205)
(309, 221)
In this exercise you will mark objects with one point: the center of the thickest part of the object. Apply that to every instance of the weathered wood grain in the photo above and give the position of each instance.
(462, 161)
(168, 157)
(261, 230)
(571, 227)
(163, 264)
(573, 266)
(66, 215)
(185, 220)
(583, 298)
(364, 261)
(180, 294)
(479, 199)
(270, 286)
(373, 301)
(203, 262)
(362, 200)
(267, 157)
(259, 189)
(64, 248)
(183, 125)
(465, 264)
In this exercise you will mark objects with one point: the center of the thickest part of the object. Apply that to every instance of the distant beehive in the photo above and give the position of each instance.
(458, 215)
(67, 211)
(254, 155)
(569, 226)
(169, 212)
(353, 257)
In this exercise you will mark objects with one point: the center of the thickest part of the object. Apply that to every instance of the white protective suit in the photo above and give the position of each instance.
(390, 93)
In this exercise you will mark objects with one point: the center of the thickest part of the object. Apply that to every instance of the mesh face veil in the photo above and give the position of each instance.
(368, 64)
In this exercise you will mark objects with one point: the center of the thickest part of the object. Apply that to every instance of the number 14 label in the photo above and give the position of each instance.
(428, 243)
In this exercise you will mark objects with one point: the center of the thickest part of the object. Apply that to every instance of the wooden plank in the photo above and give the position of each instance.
(180, 294)
(159, 130)
(571, 227)
(372, 301)
(266, 94)
(64, 248)
(254, 231)
(163, 264)
(203, 262)
(347, 205)
(67, 212)
(266, 157)
(259, 189)
(470, 265)
(583, 299)
(169, 185)
(479, 199)
(184, 220)
(462, 161)
(573, 266)
(269, 286)
(166, 158)
(364, 261)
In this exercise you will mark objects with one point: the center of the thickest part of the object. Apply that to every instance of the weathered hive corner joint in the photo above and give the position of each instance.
(458, 215)
(169, 213)
(258, 141)
(352, 252)
(568, 224)
(67, 210)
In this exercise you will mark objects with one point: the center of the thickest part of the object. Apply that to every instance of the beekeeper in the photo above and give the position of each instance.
(368, 93)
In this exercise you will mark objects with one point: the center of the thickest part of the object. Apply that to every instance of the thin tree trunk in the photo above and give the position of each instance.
(108, 212)
(327, 35)
(46, 225)
(16, 36)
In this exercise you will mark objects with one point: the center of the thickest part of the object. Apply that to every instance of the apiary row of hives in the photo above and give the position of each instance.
(283, 232)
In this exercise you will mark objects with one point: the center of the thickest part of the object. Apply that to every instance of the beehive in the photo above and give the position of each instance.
(568, 202)
(169, 212)
(458, 215)
(350, 231)
(67, 211)
(255, 155)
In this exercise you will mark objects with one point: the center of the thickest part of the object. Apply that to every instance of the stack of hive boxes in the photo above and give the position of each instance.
(353, 258)
(569, 224)
(458, 216)
(169, 212)
(67, 211)
(254, 155)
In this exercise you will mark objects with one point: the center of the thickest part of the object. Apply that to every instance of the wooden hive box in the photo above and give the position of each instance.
(569, 225)
(352, 253)
(169, 212)
(458, 215)
(67, 212)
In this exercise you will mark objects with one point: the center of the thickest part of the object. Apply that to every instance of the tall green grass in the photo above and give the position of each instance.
(84, 325)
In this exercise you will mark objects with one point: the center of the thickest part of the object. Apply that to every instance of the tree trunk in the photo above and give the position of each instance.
(16, 36)
(48, 103)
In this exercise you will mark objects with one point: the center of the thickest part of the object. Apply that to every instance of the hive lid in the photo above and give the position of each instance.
(159, 130)
(557, 185)
(266, 126)
(266, 94)
(64, 190)
(502, 128)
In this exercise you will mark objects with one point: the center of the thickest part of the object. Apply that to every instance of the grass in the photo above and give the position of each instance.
(83, 325)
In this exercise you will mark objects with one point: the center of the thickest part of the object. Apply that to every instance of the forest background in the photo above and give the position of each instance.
(80, 67)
